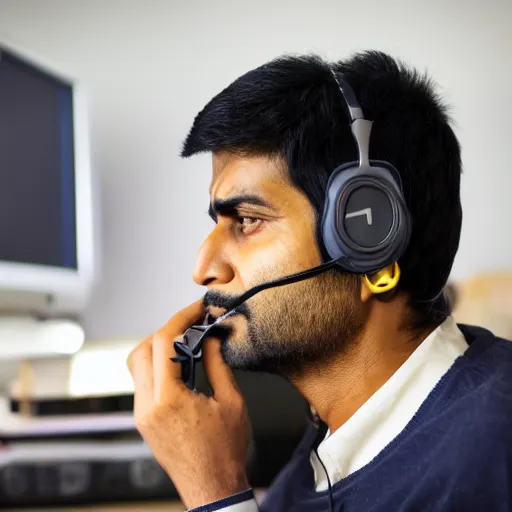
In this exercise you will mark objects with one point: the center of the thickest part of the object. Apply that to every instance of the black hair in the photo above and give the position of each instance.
(291, 108)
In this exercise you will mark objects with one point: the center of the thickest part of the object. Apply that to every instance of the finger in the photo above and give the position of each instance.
(167, 374)
(183, 319)
(221, 377)
(140, 364)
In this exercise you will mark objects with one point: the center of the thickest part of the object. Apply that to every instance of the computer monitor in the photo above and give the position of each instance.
(47, 248)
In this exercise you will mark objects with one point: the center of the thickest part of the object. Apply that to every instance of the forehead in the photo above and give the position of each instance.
(233, 175)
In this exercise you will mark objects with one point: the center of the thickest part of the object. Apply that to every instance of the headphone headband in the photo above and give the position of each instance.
(354, 109)
(361, 127)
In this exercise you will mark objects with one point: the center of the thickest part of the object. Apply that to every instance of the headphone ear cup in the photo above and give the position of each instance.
(365, 224)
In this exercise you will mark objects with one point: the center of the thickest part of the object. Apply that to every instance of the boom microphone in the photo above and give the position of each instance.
(189, 349)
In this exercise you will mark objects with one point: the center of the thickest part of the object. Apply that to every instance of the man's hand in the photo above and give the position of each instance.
(201, 442)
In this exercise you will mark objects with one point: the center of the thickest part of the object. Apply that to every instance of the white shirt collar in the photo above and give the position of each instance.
(385, 414)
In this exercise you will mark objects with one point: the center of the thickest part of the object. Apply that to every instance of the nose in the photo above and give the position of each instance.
(212, 264)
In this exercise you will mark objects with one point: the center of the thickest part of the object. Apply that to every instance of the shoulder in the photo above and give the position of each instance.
(488, 367)
(488, 359)
(472, 404)
(476, 410)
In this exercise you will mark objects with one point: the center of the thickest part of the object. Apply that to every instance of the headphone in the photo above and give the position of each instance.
(366, 225)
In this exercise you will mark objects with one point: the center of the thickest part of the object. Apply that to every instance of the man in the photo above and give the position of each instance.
(412, 412)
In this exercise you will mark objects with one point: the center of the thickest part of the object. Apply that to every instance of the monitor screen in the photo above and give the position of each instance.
(37, 175)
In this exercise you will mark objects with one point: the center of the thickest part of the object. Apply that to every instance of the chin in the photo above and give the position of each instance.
(231, 350)
(240, 352)
(237, 352)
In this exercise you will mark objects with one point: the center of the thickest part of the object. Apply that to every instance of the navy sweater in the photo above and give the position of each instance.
(454, 455)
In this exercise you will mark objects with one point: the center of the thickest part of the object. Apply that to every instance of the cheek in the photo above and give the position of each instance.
(321, 300)
(299, 243)
(281, 256)
(261, 263)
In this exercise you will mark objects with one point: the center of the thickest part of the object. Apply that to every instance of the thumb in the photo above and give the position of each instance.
(221, 377)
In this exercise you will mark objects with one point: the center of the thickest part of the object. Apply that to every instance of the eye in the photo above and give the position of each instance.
(249, 225)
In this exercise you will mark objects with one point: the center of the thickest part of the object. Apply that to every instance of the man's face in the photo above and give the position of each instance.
(265, 229)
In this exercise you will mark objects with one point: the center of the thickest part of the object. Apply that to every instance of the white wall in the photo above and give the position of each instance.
(151, 65)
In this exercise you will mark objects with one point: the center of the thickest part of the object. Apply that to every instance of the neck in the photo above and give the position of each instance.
(338, 388)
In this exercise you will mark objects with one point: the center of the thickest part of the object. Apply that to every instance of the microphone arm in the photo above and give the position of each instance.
(189, 349)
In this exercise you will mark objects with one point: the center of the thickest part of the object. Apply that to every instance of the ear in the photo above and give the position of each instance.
(382, 281)
(366, 293)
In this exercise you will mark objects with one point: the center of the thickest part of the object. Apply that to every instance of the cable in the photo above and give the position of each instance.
(294, 278)
(331, 497)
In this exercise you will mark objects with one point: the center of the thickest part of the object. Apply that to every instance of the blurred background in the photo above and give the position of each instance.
(124, 215)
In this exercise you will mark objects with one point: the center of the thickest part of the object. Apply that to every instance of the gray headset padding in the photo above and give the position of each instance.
(353, 257)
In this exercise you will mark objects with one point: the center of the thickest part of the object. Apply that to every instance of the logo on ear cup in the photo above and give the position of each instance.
(365, 211)
(366, 216)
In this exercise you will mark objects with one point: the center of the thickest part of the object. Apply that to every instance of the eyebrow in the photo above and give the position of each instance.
(230, 206)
